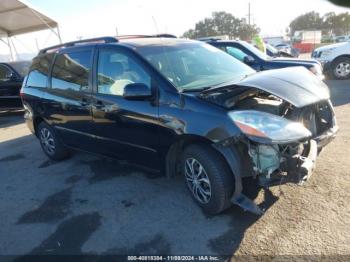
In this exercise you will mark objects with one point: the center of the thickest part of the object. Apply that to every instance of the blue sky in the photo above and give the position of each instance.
(174, 16)
(90, 18)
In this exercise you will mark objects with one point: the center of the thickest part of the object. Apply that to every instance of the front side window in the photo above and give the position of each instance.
(39, 71)
(5, 73)
(71, 71)
(190, 65)
(116, 70)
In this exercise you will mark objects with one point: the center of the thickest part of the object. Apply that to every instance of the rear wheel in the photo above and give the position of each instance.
(50, 143)
(208, 178)
(341, 68)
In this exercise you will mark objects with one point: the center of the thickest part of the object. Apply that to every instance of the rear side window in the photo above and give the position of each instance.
(39, 71)
(71, 71)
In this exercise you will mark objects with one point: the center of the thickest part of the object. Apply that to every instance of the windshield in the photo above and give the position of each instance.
(193, 65)
(255, 50)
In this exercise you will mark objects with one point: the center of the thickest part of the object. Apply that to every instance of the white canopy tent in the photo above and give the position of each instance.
(18, 17)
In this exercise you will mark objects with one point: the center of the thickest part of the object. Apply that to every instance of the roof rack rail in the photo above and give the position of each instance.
(208, 39)
(145, 36)
(106, 39)
(165, 35)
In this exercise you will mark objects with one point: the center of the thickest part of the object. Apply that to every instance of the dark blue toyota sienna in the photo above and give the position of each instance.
(179, 107)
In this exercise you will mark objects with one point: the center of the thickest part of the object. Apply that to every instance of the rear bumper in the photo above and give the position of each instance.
(327, 67)
(29, 118)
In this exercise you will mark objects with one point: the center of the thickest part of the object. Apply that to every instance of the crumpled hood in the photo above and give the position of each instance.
(295, 85)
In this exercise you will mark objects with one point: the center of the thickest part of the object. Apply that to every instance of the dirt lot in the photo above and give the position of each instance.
(89, 204)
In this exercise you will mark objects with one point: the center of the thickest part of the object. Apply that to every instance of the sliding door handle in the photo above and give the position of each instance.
(99, 105)
(84, 102)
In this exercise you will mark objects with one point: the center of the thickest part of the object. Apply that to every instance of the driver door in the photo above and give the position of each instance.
(126, 129)
(10, 84)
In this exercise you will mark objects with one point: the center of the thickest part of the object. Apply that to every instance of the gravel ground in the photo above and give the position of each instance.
(93, 205)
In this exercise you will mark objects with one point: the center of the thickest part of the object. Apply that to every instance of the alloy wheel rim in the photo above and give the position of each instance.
(47, 141)
(197, 180)
(342, 69)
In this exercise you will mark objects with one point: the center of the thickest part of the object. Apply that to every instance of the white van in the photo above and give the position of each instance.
(335, 59)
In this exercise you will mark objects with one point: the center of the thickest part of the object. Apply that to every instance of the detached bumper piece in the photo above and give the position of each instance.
(308, 163)
(247, 204)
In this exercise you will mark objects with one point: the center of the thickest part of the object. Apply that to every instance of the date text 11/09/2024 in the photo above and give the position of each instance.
(173, 258)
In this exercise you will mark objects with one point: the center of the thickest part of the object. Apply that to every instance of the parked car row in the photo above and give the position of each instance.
(334, 61)
(260, 61)
(11, 78)
(182, 107)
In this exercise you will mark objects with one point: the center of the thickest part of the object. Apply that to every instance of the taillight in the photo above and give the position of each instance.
(21, 94)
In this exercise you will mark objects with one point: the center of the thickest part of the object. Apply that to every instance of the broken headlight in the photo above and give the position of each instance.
(268, 128)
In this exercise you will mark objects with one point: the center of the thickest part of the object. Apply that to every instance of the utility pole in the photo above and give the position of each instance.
(249, 14)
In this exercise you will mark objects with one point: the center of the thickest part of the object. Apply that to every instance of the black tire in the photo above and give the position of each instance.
(220, 177)
(54, 149)
(341, 68)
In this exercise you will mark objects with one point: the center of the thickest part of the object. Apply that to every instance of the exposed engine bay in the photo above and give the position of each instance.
(282, 118)
(268, 159)
(293, 158)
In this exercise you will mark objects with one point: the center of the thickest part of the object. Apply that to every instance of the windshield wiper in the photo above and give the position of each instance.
(225, 84)
(189, 90)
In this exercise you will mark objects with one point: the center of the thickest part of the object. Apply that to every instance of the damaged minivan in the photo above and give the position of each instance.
(179, 107)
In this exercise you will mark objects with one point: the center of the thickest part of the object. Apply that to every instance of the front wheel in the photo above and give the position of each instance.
(208, 178)
(341, 68)
(50, 143)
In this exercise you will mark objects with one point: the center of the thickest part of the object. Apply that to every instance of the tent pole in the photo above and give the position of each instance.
(43, 21)
(14, 47)
(59, 34)
(9, 45)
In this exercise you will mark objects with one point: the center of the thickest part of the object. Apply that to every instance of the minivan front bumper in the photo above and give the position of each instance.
(298, 168)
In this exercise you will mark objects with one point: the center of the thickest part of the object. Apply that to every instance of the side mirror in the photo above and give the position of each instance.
(249, 60)
(137, 91)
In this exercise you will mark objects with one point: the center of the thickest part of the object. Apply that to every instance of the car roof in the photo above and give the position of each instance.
(223, 41)
(133, 42)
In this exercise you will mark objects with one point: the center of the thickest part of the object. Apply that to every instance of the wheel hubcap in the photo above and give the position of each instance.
(342, 69)
(47, 141)
(197, 180)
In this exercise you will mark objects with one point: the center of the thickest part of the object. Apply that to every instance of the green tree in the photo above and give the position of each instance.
(341, 2)
(308, 21)
(330, 23)
(222, 23)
